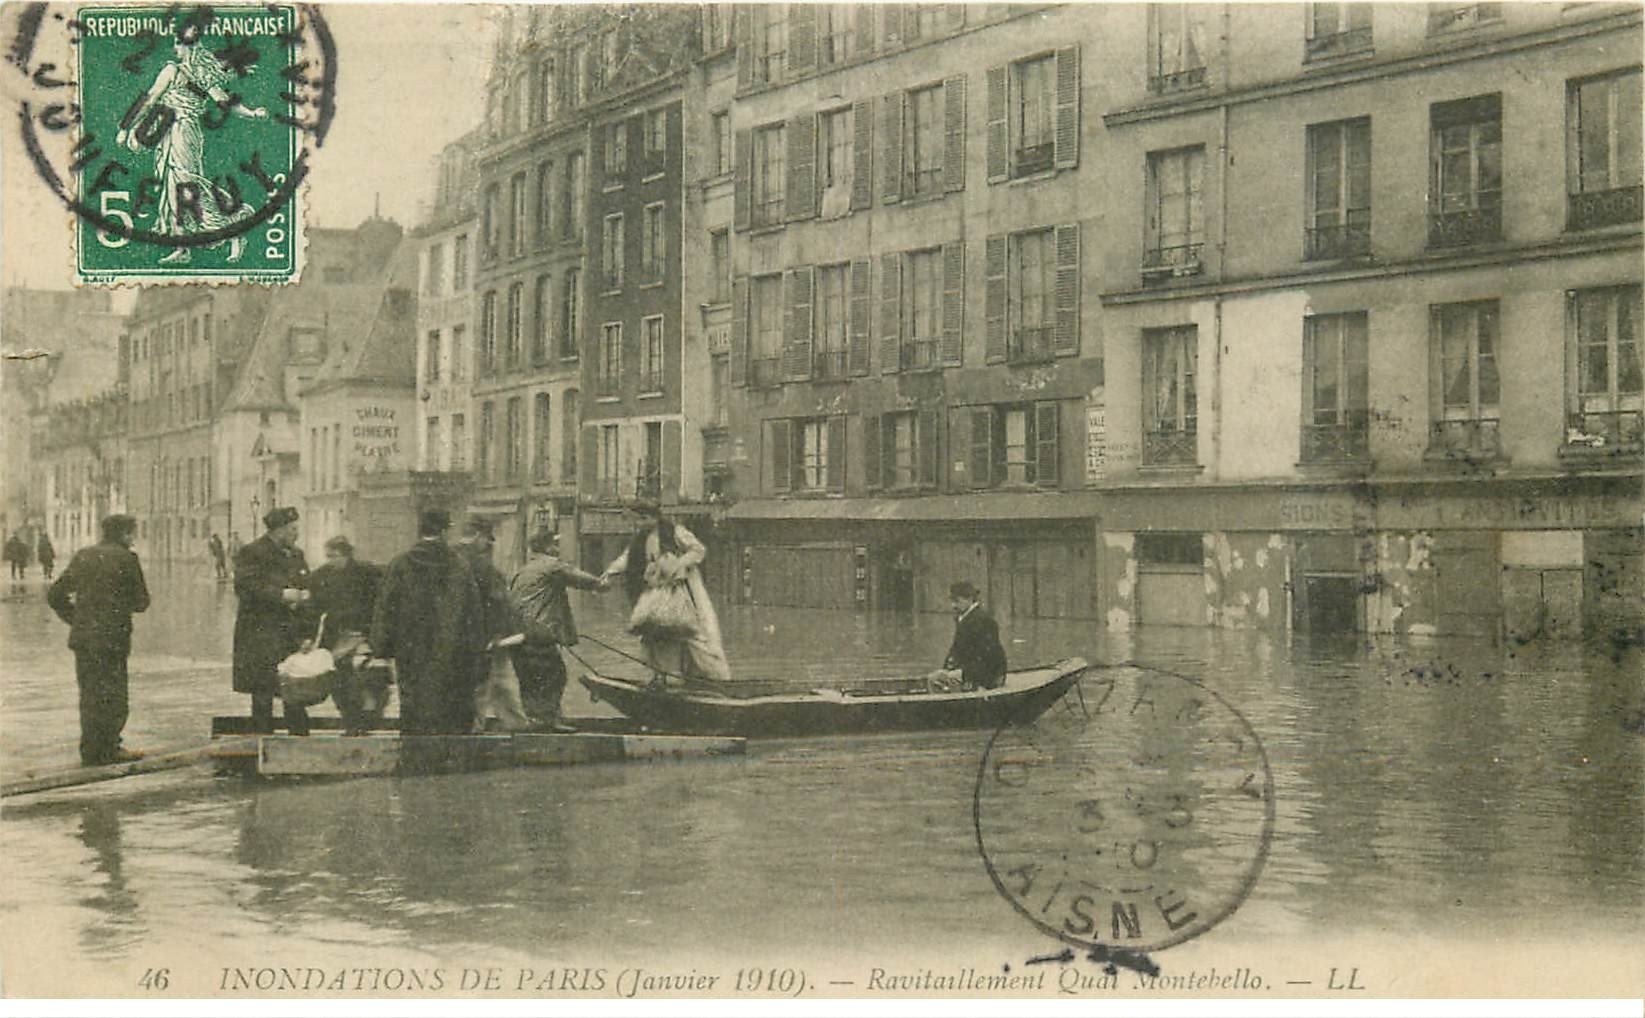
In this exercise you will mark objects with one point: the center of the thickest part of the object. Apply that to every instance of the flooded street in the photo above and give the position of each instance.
(1446, 787)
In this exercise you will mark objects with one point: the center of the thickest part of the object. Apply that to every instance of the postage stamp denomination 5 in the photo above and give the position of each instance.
(190, 139)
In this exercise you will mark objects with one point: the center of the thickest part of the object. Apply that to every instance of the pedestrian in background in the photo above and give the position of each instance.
(97, 595)
(46, 554)
(540, 592)
(497, 689)
(271, 581)
(17, 556)
(344, 593)
(218, 557)
(429, 621)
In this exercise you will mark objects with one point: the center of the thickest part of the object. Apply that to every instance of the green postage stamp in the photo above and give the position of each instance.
(195, 128)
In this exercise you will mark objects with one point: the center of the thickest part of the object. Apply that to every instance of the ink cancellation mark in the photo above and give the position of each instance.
(182, 144)
(1130, 818)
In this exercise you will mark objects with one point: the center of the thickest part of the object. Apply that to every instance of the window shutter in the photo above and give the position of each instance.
(890, 312)
(953, 126)
(671, 458)
(1067, 138)
(836, 454)
(797, 284)
(994, 300)
(871, 451)
(893, 25)
(779, 434)
(999, 134)
(743, 181)
(862, 152)
(982, 447)
(743, 34)
(861, 311)
(862, 44)
(802, 38)
(1066, 340)
(739, 331)
(1045, 440)
(925, 432)
(891, 148)
(590, 464)
(953, 303)
(802, 163)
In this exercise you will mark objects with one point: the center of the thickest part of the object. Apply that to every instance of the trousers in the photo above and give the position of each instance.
(542, 680)
(104, 707)
(262, 714)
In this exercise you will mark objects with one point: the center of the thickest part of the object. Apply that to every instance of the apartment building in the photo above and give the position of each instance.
(445, 245)
(78, 462)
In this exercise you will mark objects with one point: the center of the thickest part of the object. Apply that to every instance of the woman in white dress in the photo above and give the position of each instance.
(661, 553)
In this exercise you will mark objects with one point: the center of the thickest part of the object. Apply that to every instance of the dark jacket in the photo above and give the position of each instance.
(976, 650)
(97, 595)
(538, 590)
(346, 595)
(266, 629)
(45, 552)
(428, 618)
(17, 549)
(496, 608)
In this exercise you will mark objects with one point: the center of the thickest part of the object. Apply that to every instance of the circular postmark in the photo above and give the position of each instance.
(169, 129)
(1135, 814)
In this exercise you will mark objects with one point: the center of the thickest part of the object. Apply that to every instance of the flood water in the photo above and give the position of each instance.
(1419, 787)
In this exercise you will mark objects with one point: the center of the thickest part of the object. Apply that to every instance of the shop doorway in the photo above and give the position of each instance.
(1332, 604)
(896, 581)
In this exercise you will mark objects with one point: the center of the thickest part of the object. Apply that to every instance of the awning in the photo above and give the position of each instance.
(1018, 505)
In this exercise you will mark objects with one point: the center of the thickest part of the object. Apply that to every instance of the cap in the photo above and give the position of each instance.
(274, 519)
(963, 588)
(431, 522)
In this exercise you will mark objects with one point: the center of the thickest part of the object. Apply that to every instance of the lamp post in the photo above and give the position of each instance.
(255, 515)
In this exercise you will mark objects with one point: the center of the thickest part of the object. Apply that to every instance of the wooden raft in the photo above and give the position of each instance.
(386, 754)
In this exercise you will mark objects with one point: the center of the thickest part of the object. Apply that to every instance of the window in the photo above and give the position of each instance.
(459, 263)
(719, 366)
(431, 357)
(542, 314)
(488, 222)
(924, 21)
(1465, 178)
(716, 27)
(611, 252)
(1339, 189)
(923, 140)
(488, 332)
(1014, 444)
(651, 354)
(610, 464)
(433, 277)
(766, 330)
(719, 257)
(459, 442)
(571, 223)
(511, 351)
(652, 243)
(769, 172)
(1157, 549)
(1335, 388)
(1604, 124)
(1176, 46)
(546, 72)
(616, 149)
(1604, 396)
(570, 316)
(1033, 115)
(1336, 29)
(541, 420)
(1032, 310)
(610, 377)
(1451, 17)
(577, 90)
(1170, 359)
(829, 338)
(922, 309)
(836, 26)
(459, 353)
(656, 135)
(1467, 385)
(906, 447)
(1175, 223)
(720, 141)
(649, 482)
(545, 202)
(483, 460)
(770, 34)
(806, 454)
(834, 162)
(431, 445)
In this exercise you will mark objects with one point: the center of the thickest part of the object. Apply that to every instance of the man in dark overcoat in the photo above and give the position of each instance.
(271, 582)
(431, 622)
(344, 592)
(97, 595)
(976, 653)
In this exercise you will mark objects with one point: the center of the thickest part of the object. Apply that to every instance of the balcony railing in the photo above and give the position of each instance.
(1341, 240)
(652, 381)
(919, 354)
(1475, 439)
(765, 372)
(1176, 81)
(1030, 346)
(1176, 260)
(1592, 209)
(1344, 442)
(1170, 447)
(1604, 433)
(1451, 17)
(716, 445)
(828, 365)
(1034, 159)
(1468, 226)
(1352, 40)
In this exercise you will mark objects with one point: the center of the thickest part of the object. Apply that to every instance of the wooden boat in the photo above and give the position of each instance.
(886, 706)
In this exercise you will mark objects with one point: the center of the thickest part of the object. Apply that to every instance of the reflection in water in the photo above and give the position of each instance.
(116, 923)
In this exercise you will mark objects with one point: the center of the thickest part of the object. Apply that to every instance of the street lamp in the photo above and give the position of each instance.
(255, 515)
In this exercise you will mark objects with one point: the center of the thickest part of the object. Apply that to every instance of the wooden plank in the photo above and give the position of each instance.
(563, 749)
(234, 724)
(315, 756)
(382, 755)
(681, 747)
(43, 782)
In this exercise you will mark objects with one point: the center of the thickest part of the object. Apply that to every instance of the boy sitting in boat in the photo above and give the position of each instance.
(976, 658)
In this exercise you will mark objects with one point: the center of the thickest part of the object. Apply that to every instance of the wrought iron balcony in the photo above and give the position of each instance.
(1351, 40)
(1467, 226)
(919, 354)
(1034, 159)
(1342, 240)
(1592, 209)
(1166, 262)
(716, 445)
(1345, 442)
(1604, 433)
(828, 365)
(1176, 81)
(1030, 346)
(1477, 439)
(1170, 448)
(765, 372)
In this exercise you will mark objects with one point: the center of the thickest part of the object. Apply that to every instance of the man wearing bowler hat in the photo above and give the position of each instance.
(976, 660)
(271, 583)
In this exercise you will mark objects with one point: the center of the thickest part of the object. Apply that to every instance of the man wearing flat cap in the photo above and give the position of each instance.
(271, 583)
(976, 660)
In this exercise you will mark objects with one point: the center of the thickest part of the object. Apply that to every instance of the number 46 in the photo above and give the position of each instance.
(155, 979)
